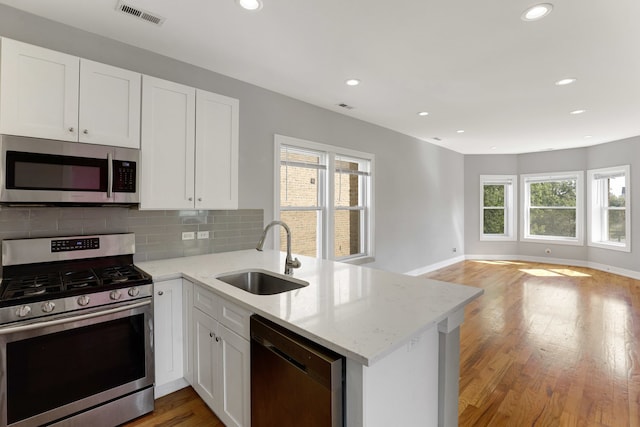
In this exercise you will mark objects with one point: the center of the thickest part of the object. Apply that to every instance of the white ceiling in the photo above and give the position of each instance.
(473, 65)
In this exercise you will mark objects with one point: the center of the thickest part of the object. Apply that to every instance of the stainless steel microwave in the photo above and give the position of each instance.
(48, 172)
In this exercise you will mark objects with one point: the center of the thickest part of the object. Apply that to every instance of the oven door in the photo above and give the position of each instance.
(58, 367)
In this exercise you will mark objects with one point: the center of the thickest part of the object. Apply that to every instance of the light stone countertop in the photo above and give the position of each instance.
(361, 313)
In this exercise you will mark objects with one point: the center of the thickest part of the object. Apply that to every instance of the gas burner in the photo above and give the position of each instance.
(80, 279)
(117, 274)
(35, 281)
(37, 291)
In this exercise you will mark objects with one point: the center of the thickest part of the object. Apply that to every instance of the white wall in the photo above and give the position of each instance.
(419, 187)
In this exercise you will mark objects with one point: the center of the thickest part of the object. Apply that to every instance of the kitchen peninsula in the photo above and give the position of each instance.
(399, 334)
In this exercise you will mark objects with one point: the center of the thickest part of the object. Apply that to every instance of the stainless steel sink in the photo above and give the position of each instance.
(261, 282)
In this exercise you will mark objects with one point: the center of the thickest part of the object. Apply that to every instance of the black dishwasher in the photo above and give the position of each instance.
(294, 381)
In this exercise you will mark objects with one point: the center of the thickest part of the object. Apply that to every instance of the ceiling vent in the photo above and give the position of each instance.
(141, 14)
(346, 106)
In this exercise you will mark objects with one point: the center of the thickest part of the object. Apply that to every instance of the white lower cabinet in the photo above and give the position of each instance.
(221, 359)
(168, 336)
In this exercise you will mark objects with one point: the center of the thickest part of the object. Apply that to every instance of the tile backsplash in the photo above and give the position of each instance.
(158, 233)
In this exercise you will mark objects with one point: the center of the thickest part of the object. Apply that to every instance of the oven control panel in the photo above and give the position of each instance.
(66, 245)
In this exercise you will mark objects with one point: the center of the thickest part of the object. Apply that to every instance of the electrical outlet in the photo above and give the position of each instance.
(188, 235)
(455, 250)
(203, 234)
(547, 251)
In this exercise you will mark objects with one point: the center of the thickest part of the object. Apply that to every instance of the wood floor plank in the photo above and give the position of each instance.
(558, 344)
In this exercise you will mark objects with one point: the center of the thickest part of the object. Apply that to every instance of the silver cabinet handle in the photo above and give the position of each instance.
(160, 293)
(86, 131)
(71, 129)
(191, 199)
(199, 199)
(217, 338)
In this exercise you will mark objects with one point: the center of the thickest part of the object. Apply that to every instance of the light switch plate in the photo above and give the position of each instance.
(203, 234)
(188, 235)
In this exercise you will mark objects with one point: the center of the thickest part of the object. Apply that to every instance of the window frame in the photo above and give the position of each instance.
(326, 249)
(526, 180)
(510, 182)
(596, 200)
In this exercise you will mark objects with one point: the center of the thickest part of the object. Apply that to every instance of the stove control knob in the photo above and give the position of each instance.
(83, 300)
(48, 306)
(115, 295)
(134, 292)
(23, 311)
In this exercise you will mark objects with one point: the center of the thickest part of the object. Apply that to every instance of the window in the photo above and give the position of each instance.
(553, 208)
(609, 219)
(497, 207)
(325, 197)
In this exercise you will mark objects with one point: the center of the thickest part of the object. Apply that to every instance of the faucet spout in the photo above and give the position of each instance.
(290, 263)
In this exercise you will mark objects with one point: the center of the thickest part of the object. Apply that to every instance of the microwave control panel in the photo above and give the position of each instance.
(124, 176)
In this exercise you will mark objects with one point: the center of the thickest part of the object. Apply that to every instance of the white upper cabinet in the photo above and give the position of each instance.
(189, 148)
(38, 92)
(49, 94)
(168, 145)
(216, 151)
(109, 105)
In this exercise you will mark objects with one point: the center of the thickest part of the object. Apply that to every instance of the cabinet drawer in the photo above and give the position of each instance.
(206, 301)
(234, 317)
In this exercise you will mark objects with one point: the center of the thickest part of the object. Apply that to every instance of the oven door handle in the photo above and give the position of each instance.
(38, 325)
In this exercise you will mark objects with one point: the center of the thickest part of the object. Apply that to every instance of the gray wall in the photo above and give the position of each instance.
(605, 155)
(419, 187)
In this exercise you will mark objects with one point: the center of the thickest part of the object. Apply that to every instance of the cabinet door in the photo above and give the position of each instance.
(216, 151)
(168, 333)
(38, 92)
(206, 372)
(167, 145)
(235, 367)
(109, 105)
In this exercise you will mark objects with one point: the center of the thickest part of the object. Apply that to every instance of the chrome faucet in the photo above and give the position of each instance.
(289, 263)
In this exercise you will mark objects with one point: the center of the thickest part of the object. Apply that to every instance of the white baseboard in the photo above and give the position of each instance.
(543, 260)
(170, 387)
(436, 266)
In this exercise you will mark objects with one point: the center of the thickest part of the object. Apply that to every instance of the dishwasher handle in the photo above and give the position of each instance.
(319, 363)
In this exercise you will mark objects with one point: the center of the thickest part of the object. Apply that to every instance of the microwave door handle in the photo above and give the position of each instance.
(109, 175)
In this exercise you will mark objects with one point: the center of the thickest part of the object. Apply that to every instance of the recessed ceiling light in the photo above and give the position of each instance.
(423, 113)
(565, 82)
(575, 112)
(460, 131)
(588, 136)
(494, 148)
(536, 12)
(352, 82)
(250, 4)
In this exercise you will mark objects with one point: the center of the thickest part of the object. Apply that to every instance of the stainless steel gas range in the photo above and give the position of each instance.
(76, 332)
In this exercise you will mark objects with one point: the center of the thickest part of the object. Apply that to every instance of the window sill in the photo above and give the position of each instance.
(358, 261)
(611, 246)
(553, 241)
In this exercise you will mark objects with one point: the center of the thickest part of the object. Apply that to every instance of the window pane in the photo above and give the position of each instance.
(304, 231)
(347, 233)
(617, 232)
(493, 195)
(288, 154)
(553, 222)
(617, 191)
(553, 193)
(347, 190)
(493, 221)
(299, 186)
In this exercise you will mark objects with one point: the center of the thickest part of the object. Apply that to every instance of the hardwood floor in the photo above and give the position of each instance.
(548, 345)
(182, 408)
